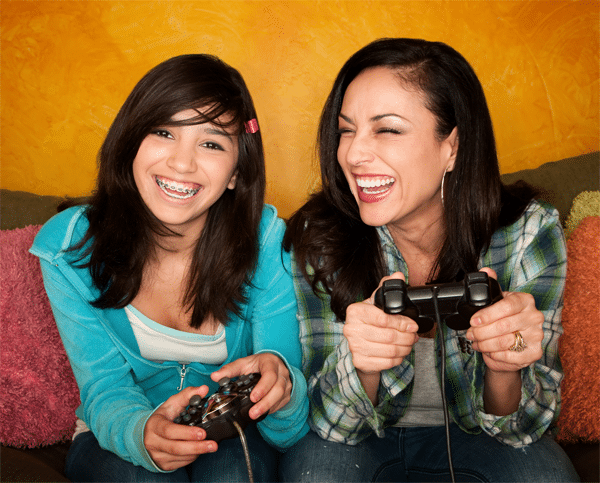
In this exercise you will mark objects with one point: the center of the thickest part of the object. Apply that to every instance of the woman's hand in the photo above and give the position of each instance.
(172, 446)
(273, 390)
(377, 341)
(493, 334)
(493, 331)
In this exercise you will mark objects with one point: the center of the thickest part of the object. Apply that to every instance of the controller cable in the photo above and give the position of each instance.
(246, 451)
(443, 381)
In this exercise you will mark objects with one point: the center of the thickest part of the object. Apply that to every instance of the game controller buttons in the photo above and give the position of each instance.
(218, 413)
(477, 288)
(456, 302)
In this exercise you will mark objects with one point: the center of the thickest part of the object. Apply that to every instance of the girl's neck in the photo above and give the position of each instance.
(182, 244)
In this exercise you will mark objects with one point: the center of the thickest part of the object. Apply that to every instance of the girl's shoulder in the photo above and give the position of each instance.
(272, 227)
(61, 232)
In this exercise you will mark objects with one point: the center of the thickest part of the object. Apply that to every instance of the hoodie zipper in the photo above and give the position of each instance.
(182, 373)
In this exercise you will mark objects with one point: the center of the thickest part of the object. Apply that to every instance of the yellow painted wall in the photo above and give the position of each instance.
(68, 66)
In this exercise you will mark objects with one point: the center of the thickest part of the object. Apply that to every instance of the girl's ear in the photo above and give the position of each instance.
(452, 143)
(233, 180)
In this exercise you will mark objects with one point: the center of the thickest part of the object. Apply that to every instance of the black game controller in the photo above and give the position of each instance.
(216, 414)
(457, 302)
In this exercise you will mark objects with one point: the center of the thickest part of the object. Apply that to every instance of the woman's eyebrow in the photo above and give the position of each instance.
(389, 114)
(376, 118)
(346, 118)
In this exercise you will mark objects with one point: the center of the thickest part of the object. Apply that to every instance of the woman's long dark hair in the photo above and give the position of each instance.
(328, 234)
(123, 231)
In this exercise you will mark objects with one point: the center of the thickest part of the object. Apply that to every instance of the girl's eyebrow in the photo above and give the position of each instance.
(218, 132)
(214, 130)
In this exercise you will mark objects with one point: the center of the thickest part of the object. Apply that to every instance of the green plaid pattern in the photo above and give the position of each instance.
(528, 256)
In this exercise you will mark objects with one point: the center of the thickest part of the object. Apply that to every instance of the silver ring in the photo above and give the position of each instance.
(520, 345)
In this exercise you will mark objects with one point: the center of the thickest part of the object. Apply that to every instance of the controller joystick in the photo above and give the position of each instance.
(457, 301)
(216, 414)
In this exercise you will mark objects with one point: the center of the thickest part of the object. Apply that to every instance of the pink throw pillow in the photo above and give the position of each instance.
(38, 393)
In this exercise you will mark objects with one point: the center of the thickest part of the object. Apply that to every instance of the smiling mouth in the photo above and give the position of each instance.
(374, 185)
(176, 190)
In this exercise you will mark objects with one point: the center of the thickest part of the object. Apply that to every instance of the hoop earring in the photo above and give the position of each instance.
(442, 188)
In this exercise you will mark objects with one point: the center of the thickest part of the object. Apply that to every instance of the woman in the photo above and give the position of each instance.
(411, 190)
(173, 278)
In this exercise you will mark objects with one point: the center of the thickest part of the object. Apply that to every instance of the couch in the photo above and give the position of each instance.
(38, 394)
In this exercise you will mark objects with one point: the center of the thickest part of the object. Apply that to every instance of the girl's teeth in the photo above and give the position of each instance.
(186, 192)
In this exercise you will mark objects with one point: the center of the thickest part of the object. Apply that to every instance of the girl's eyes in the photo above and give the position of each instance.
(211, 145)
(162, 133)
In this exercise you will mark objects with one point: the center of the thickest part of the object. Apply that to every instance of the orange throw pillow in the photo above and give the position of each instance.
(580, 344)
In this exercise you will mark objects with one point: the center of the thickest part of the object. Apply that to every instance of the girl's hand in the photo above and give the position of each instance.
(172, 446)
(493, 331)
(378, 341)
(274, 389)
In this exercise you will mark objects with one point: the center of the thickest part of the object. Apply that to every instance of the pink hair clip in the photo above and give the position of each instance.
(251, 126)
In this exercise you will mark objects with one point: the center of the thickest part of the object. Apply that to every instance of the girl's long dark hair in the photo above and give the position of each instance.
(122, 231)
(327, 232)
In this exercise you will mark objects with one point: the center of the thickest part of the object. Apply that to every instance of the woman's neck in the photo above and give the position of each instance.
(420, 244)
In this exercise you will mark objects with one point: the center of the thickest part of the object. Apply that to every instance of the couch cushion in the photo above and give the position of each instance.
(40, 464)
(19, 209)
(562, 180)
(38, 393)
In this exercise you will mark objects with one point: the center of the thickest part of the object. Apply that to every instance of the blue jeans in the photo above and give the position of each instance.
(419, 454)
(86, 461)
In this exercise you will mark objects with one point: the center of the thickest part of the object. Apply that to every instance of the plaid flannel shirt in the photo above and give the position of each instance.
(528, 256)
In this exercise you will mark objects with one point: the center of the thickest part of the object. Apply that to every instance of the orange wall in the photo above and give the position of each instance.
(68, 66)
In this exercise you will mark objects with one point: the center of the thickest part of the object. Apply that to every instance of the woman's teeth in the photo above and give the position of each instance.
(374, 185)
(175, 190)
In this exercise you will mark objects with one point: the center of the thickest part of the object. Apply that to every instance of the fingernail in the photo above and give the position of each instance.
(469, 335)
(211, 448)
(476, 321)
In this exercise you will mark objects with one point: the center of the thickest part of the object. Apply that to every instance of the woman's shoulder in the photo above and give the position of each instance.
(61, 231)
(539, 217)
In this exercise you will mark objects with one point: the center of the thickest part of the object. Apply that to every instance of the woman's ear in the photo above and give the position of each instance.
(452, 143)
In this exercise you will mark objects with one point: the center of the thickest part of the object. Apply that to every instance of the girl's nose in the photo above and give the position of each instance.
(183, 159)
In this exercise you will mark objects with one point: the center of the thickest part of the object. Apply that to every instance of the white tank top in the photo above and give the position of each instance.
(159, 343)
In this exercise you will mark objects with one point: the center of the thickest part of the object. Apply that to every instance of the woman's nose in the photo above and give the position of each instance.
(358, 150)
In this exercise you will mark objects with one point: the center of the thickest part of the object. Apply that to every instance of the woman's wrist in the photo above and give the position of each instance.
(501, 392)
(370, 382)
